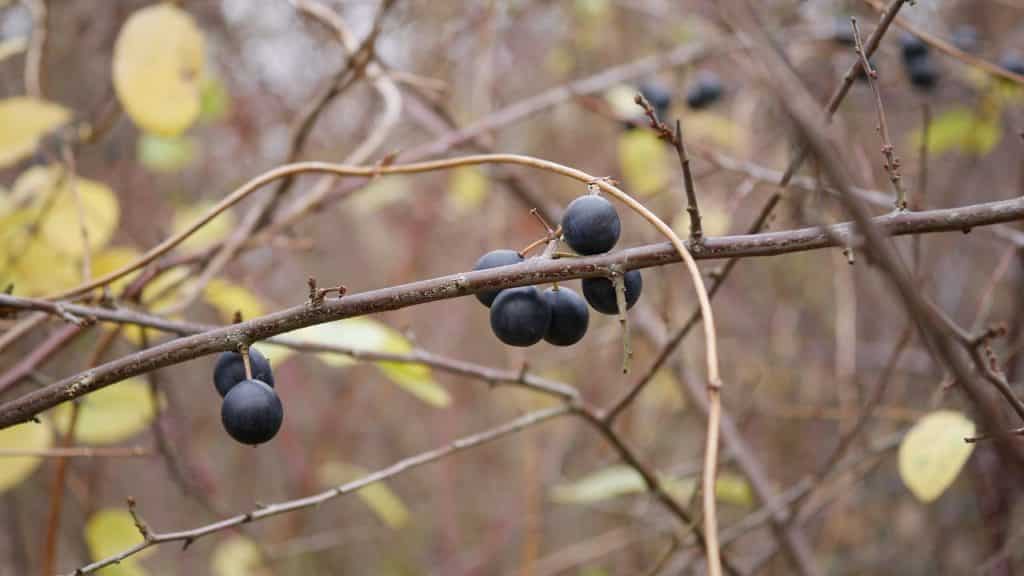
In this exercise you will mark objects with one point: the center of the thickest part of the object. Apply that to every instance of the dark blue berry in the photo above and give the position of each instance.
(230, 370)
(659, 97)
(591, 225)
(600, 292)
(705, 90)
(494, 259)
(923, 73)
(912, 47)
(520, 316)
(252, 412)
(1014, 62)
(569, 316)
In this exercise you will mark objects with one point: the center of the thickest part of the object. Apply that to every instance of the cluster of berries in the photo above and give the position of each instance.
(524, 316)
(251, 413)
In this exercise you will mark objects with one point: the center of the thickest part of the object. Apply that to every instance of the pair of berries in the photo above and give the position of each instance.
(524, 316)
(252, 412)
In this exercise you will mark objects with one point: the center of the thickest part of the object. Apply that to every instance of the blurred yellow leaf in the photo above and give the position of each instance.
(621, 100)
(109, 415)
(61, 226)
(712, 128)
(616, 481)
(961, 129)
(380, 194)
(158, 69)
(714, 220)
(236, 556)
(381, 499)
(25, 121)
(212, 232)
(643, 161)
(933, 452)
(12, 46)
(114, 258)
(467, 188)
(29, 436)
(110, 531)
(227, 297)
(364, 334)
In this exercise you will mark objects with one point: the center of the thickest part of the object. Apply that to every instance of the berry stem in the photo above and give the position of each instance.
(244, 351)
(620, 301)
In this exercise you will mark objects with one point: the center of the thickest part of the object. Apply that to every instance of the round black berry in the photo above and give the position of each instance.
(520, 316)
(965, 37)
(923, 73)
(912, 47)
(1014, 62)
(591, 225)
(704, 91)
(569, 316)
(252, 412)
(600, 292)
(230, 370)
(842, 32)
(659, 97)
(494, 259)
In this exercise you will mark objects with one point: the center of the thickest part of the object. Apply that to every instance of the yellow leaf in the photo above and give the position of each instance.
(616, 481)
(165, 154)
(643, 162)
(12, 46)
(381, 499)
(714, 128)
(30, 436)
(467, 188)
(109, 415)
(714, 220)
(364, 334)
(111, 259)
(380, 194)
(111, 531)
(25, 121)
(61, 227)
(37, 268)
(228, 297)
(212, 232)
(158, 69)
(962, 129)
(933, 452)
(621, 100)
(236, 556)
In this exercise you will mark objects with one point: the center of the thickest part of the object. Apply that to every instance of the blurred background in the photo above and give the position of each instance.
(805, 338)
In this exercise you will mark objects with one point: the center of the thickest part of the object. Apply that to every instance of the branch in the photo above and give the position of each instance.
(152, 538)
(393, 298)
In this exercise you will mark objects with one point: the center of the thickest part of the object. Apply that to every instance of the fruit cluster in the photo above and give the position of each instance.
(524, 316)
(251, 413)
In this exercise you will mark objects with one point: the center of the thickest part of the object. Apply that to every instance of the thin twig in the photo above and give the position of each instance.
(892, 161)
(153, 538)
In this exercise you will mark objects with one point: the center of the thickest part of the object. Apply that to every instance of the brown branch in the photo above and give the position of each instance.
(533, 272)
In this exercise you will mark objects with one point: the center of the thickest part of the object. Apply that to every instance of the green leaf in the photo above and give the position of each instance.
(384, 503)
(214, 100)
(111, 531)
(933, 452)
(366, 335)
(961, 129)
(109, 415)
(643, 162)
(165, 153)
(236, 556)
(30, 436)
